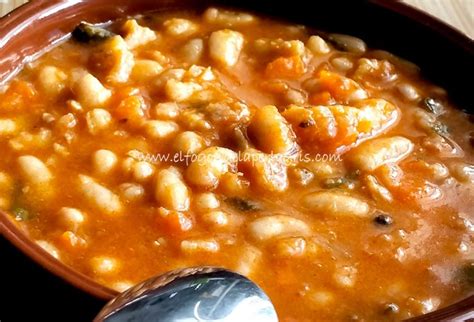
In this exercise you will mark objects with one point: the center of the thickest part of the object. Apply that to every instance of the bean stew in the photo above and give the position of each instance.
(331, 174)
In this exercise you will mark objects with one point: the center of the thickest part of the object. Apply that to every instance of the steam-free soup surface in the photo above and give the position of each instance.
(332, 175)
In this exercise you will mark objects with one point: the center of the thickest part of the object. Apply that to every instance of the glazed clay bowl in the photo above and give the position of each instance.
(443, 53)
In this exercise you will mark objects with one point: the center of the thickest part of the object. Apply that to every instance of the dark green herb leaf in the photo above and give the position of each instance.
(21, 214)
(433, 105)
(334, 182)
(243, 204)
(86, 32)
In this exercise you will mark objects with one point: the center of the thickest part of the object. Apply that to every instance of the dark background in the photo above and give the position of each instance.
(39, 295)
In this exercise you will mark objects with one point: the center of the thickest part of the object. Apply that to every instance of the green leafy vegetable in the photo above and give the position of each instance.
(86, 32)
(21, 214)
(243, 204)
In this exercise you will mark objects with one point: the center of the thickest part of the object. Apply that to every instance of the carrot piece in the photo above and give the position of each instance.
(174, 222)
(71, 241)
(130, 109)
(19, 95)
(322, 98)
(285, 67)
(338, 86)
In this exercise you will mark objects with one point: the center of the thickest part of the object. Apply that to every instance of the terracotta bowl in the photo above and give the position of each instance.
(443, 53)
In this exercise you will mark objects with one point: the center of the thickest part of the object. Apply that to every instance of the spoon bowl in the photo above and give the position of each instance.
(207, 294)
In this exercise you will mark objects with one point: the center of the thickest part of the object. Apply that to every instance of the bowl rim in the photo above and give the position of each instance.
(13, 233)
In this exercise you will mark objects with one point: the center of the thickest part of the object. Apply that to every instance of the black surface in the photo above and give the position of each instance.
(40, 295)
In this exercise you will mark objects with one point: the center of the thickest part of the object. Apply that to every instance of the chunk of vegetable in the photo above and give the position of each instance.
(243, 204)
(337, 128)
(114, 60)
(86, 32)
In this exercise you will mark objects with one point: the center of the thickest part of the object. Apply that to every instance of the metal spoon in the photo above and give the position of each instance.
(205, 294)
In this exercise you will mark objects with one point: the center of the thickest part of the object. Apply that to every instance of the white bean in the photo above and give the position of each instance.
(225, 46)
(181, 91)
(142, 171)
(215, 218)
(408, 91)
(377, 190)
(180, 27)
(228, 18)
(160, 129)
(271, 131)
(188, 143)
(248, 261)
(345, 276)
(265, 228)
(170, 190)
(136, 35)
(132, 191)
(99, 196)
(71, 218)
(374, 153)
(34, 170)
(104, 161)
(90, 92)
(168, 110)
(191, 246)
(463, 172)
(193, 50)
(335, 203)
(348, 43)
(52, 80)
(290, 247)
(98, 120)
(144, 70)
(8, 127)
(317, 45)
(206, 201)
(104, 265)
(342, 63)
(210, 165)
